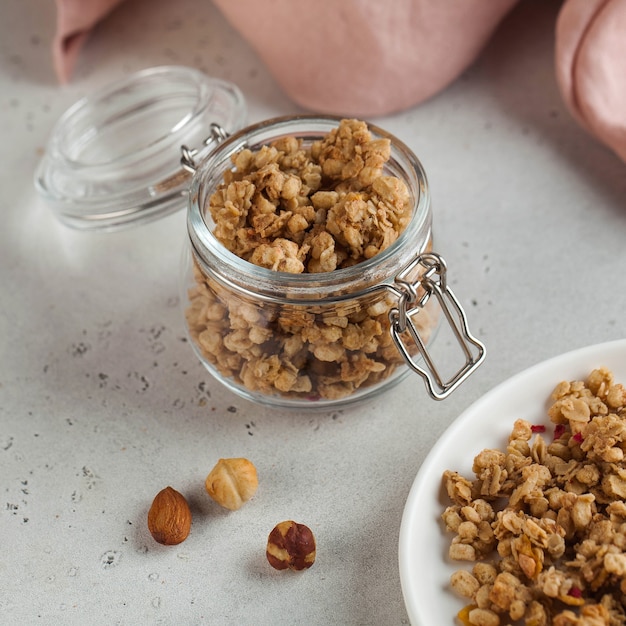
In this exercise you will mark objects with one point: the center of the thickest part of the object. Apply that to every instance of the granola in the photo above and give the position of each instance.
(303, 208)
(544, 522)
(296, 209)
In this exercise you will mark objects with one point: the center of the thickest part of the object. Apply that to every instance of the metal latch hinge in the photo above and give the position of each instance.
(424, 278)
(188, 155)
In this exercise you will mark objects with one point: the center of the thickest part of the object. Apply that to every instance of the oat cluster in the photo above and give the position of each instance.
(295, 208)
(299, 209)
(544, 522)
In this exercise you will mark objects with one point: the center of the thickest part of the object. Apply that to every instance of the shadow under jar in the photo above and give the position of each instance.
(321, 339)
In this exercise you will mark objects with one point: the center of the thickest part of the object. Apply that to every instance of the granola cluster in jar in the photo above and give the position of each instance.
(296, 209)
(544, 521)
(303, 208)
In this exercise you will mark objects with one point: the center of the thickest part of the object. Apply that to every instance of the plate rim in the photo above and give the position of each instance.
(419, 484)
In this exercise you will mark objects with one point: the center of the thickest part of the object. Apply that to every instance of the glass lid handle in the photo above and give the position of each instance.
(188, 155)
(413, 295)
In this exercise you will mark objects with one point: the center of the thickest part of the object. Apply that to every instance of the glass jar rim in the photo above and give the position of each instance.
(227, 267)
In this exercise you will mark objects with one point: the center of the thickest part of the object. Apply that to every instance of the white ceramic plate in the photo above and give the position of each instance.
(424, 567)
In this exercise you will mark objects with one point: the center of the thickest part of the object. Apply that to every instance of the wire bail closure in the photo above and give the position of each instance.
(413, 296)
(188, 155)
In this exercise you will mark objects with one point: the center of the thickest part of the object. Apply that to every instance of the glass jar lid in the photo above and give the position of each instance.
(113, 158)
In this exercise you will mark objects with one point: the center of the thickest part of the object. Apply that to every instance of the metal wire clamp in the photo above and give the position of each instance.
(413, 296)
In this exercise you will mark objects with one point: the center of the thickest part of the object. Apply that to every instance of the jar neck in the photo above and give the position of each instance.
(263, 284)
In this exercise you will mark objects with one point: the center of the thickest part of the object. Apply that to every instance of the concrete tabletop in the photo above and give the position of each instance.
(103, 403)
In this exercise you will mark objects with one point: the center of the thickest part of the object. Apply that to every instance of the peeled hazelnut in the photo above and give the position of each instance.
(291, 546)
(169, 517)
(232, 482)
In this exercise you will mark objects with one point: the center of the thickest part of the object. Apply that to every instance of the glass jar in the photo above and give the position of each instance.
(317, 339)
(296, 340)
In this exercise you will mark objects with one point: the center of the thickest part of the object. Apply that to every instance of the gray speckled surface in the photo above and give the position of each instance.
(102, 403)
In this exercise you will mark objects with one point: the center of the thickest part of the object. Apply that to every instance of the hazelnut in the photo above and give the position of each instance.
(169, 517)
(232, 482)
(291, 545)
